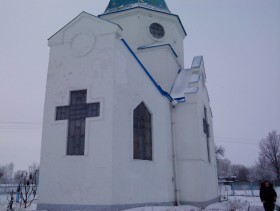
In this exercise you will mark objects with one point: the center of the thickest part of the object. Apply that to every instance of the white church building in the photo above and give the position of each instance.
(125, 124)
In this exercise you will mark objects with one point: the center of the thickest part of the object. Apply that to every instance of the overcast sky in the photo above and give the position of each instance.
(239, 39)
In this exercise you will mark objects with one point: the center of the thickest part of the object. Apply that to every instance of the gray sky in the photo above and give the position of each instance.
(239, 39)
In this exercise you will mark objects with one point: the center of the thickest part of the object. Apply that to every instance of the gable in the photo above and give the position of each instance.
(147, 73)
(85, 23)
(146, 11)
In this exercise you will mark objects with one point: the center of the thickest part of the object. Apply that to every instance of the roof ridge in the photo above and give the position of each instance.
(117, 5)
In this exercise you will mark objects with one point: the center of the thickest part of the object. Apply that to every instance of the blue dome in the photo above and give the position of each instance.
(117, 5)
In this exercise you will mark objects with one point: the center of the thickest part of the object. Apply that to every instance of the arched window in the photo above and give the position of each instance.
(142, 133)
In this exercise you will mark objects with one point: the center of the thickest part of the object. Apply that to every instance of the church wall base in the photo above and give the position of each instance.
(67, 207)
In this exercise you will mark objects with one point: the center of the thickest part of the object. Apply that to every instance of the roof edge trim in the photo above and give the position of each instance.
(86, 13)
(177, 16)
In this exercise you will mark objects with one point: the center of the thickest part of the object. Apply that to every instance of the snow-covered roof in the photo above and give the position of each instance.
(182, 85)
(194, 78)
(116, 5)
(197, 61)
(186, 80)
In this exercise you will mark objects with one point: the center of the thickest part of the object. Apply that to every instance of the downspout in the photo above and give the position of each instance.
(174, 154)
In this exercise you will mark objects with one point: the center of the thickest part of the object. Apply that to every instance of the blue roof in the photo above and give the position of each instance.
(116, 5)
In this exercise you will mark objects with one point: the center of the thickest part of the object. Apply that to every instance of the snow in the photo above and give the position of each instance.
(194, 78)
(253, 201)
(181, 208)
(191, 90)
(4, 204)
(240, 203)
(182, 87)
(183, 84)
(197, 61)
(234, 203)
(277, 189)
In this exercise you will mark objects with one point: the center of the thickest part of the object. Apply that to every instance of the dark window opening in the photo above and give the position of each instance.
(142, 133)
(157, 30)
(207, 133)
(76, 114)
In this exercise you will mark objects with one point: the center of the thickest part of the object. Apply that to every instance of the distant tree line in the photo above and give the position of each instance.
(266, 167)
(8, 176)
(6, 173)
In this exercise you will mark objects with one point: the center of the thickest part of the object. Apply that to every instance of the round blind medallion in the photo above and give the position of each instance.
(157, 30)
(82, 44)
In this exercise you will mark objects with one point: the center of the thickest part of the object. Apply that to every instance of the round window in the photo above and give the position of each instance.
(157, 30)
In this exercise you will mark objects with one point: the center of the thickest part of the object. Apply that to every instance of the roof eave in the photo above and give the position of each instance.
(127, 9)
(76, 18)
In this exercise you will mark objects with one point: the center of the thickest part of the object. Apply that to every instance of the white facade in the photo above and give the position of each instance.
(120, 65)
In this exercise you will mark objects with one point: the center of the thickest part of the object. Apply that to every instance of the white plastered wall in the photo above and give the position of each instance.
(84, 179)
(136, 22)
(197, 176)
(138, 181)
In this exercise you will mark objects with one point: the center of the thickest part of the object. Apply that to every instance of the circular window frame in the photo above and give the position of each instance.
(152, 35)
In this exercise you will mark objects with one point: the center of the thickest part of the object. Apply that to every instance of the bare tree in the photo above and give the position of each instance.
(27, 187)
(6, 172)
(34, 167)
(1, 172)
(19, 176)
(241, 172)
(224, 168)
(9, 170)
(257, 174)
(219, 151)
(269, 155)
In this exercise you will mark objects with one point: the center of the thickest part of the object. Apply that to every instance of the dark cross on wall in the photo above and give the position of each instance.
(76, 114)
(206, 132)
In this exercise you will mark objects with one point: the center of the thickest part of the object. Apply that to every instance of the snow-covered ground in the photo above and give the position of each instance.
(4, 204)
(182, 208)
(240, 203)
(244, 193)
(277, 189)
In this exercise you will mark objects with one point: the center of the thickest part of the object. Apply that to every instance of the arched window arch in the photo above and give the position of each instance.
(142, 133)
